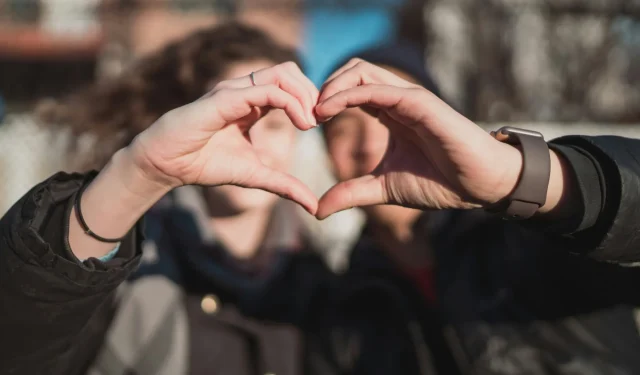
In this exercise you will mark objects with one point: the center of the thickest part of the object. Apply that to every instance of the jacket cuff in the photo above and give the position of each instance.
(590, 189)
(611, 237)
(40, 239)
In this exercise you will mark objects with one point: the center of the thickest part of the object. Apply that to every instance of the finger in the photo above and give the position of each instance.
(311, 95)
(350, 64)
(361, 73)
(311, 87)
(362, 191)
(238, 103)
(289, 77)
(281, 76)
(396, 129)
(415, 108)
(284, 185)
(376, 96)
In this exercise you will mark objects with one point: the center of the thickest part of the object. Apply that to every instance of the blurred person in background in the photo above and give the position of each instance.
(229, 280)
(391, 265)
(220, 248)
(505, 298)
(356, 143)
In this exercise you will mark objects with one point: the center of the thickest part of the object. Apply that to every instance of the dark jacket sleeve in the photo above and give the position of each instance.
(607, 171)
(54, 309)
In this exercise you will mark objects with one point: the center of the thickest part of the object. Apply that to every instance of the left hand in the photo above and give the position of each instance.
(208, 143)
(437, 159)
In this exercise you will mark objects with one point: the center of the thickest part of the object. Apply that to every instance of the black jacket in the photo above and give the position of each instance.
(549, 298)
(513, 297)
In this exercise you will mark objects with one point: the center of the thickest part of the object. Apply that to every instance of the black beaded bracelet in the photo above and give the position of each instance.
(83, 223)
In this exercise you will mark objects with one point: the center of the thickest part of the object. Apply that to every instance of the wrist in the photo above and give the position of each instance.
(137, 155)
(558, 200)
(143, 182)
(561, 201)
(511, 158)
(112, 204)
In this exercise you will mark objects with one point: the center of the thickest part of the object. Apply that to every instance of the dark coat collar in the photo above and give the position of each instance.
(190, 253)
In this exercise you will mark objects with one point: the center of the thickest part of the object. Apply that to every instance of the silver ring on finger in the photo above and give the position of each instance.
(252, 77)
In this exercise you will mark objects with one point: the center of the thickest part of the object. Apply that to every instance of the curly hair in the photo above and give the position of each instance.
(115, 112)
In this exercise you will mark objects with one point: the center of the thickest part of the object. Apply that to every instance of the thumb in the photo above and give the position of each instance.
(362, 191)
(284, 185)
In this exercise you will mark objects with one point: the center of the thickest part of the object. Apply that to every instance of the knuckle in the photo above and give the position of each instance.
(286, 192)
(421, 94)
(286, 67)
(218, 93)
(368, 79)
(289, 65)
(169, 117)
(362, 64)
(221, 86)
(207, 95)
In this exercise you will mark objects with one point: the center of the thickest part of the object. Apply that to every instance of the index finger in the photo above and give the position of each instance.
(377, 96)
(234, 104)
(413, 107)
(350, 64)
(286, 76)
(358, 74)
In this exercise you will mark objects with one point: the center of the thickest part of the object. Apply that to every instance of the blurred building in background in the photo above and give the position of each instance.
(496, 60)
(48, 47)
(538, 60)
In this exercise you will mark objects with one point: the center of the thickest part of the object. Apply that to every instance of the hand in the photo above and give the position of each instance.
(207, 142)
(436, 159)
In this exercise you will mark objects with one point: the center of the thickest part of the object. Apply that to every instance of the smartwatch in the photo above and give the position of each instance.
(530, 192)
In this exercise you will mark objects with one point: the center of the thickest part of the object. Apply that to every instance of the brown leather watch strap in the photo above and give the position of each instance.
(530, 192)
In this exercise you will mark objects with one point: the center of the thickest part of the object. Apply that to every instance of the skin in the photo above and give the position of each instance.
(437, 158)
(357, 142)
(240, 215)
(202, 143)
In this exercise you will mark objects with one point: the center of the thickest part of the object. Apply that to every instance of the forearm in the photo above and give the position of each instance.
(112, 204)
(565, 209)
(563, 199)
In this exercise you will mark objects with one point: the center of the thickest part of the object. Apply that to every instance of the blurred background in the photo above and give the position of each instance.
(560, 66)
(496, 60)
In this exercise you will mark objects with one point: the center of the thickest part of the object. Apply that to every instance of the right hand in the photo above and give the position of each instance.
(437, 159)
(207, 142)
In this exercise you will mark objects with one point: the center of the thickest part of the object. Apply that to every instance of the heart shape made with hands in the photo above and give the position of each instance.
(436, 157)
